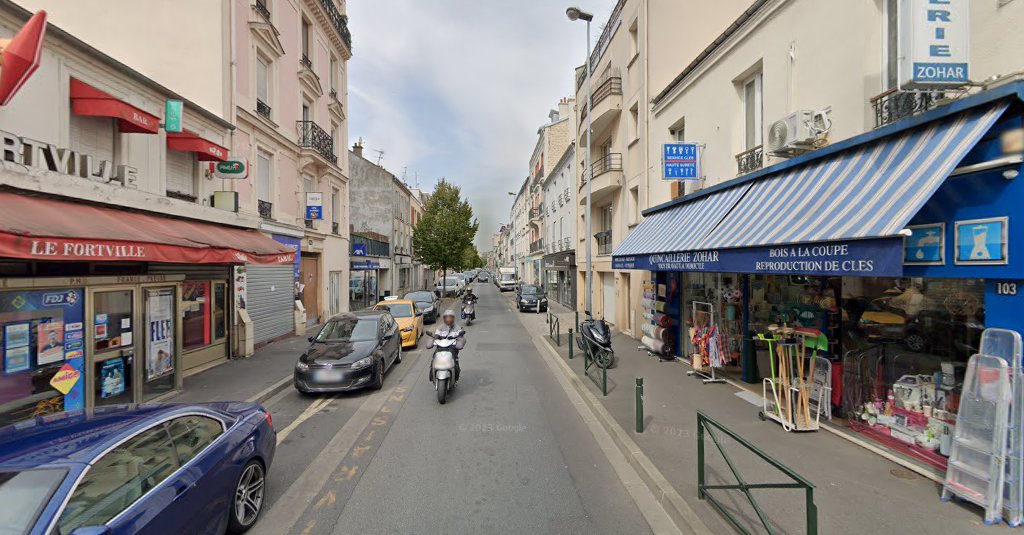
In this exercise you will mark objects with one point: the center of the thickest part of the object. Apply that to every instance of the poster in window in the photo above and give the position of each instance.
(160, 333)
(16, 335)
(16, 359)
(49, 342)
(112, 377)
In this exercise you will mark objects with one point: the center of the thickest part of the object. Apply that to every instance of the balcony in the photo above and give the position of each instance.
(261, 8)
(308, 78)
(604, 242)
(537, 246)
(606, 101)
(334, 105)
(894, 105)
(750, 160)
(263, 109)
(266, 209)
(607, 179)
(305, 62)
(314, 138)
(339, 22)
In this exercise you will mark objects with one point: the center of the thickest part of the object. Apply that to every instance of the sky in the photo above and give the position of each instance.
(458, 89)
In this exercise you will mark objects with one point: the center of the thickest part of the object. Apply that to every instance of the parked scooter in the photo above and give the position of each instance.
(469, 309)
(595, 338)
(442, 364)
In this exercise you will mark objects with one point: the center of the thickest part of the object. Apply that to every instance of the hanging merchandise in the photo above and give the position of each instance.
(707, 340)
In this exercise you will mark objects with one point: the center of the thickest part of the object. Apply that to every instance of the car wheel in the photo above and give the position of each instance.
(378, 375)
(914, 342)
(248, 500)
(399, 357)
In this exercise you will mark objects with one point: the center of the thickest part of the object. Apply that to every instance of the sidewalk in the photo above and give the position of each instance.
(857, 491)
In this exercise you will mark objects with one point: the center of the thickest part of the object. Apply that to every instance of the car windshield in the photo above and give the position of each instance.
(349, 330)
(530, 290)
(508, 277)
(24, 494)
(398, 310)
(424, 297)
(449, 281)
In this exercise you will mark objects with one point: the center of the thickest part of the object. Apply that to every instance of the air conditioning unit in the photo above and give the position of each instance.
(798, 132)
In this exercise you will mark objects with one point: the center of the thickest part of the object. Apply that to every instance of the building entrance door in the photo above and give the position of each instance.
(309, 274)
(111, 333)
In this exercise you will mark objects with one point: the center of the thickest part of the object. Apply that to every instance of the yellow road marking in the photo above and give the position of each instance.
(347, 473)
(309, 527)
(328, 499)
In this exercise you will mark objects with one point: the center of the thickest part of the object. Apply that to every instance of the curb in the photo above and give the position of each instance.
(685, 518)
(272, 390)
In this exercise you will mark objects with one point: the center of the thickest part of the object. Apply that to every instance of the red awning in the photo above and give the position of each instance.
(188, 141)
(34, 228)
(87, 100)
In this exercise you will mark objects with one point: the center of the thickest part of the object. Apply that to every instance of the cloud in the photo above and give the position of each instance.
(458, 88)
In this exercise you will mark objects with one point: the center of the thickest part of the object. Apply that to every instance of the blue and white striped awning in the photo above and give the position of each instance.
(868, 191)
(682, 228)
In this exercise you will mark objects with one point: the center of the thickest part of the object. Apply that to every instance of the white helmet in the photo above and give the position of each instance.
(447, 313)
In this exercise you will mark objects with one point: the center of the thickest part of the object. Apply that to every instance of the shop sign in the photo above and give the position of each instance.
(314, 205)
(982, 242)
(934, 37)
(65, 379)
(865, 258)
(926, 245)
(22, 151)
(680, 161)
(363, 265)
(233, 168)
(358, 249)
(294, 244)
(173, 111)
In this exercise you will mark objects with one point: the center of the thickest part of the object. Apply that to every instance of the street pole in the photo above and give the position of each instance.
(590, 180)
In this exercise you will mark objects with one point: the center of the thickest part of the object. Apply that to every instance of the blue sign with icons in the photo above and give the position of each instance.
(681, 161)
(358, 249)
(925, 245)
(982, 241)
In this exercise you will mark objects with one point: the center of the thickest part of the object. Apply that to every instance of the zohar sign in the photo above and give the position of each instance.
(934, 43)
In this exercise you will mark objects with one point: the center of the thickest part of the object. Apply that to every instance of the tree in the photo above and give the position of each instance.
(471, 259)
(446, 231)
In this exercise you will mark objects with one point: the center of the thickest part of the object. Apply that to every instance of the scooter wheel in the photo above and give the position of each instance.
(761, 416)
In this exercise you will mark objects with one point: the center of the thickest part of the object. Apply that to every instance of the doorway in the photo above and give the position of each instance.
(608, 287)
(112, 335)
(309, 275)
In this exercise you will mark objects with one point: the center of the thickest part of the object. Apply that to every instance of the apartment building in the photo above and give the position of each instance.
(552, 140)
(422, 275)
(559, 262)
(277, 71)
(401, 236)
(519, 239)
(638, 52)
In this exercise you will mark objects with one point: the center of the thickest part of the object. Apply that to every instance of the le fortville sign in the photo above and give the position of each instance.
(34, 154)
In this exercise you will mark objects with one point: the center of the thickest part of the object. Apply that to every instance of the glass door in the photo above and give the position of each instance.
(113, 340)
(161, 349)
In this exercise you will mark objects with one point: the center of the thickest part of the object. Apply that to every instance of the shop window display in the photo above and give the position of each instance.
(196, 314)
(907, 342)
(724, 293)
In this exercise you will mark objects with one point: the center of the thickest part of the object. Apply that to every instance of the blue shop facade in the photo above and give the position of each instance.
(899, 245)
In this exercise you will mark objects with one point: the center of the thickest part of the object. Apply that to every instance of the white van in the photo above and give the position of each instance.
(506, 279)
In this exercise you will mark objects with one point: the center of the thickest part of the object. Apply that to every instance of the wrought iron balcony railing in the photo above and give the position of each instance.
(266, 209)
(334, 94)
(261, 8)
(604, 242)
(310, 224)
(604, 164)
(305, 62)
(605, 88)
(339, 21)
(894, 105)
(750, 160)
(311, 136)
(262, 108)
(537, 246)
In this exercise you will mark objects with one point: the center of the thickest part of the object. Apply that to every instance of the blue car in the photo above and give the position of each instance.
(136, 469)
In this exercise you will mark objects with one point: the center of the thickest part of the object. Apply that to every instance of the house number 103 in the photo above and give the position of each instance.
(1006, 288)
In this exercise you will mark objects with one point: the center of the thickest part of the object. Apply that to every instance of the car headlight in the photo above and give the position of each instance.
(523, 301)
(363, 363)
(301, 366)
(407, 329)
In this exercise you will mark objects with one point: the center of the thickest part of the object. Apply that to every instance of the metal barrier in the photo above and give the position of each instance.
(555, 329)
(588, 363)
(708, 425)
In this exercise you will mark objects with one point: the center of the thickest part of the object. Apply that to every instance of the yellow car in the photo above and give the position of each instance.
(408, 319)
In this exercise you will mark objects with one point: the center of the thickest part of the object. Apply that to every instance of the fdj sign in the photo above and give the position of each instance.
(934, 42)
(314, 205)
(681, 161)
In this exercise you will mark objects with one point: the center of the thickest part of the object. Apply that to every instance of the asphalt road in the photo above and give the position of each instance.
(508, 453)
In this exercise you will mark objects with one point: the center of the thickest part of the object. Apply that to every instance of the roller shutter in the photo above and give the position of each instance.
(271, 300)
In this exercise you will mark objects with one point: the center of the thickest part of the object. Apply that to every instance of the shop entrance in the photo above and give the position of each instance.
(310, 283)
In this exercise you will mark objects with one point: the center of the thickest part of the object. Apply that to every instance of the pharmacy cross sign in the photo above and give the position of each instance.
(680, 161)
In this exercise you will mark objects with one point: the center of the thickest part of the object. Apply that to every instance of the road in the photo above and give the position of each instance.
(508, 453)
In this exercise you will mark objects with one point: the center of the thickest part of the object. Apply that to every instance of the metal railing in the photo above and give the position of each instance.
(266, 209)
(339, 21)
(601, 377)
(310, 224)
(335, 228)
(262, 108)
(261, 8)
(334, 94)
(710, 427)
(750, 160)
(607, 163)
(611, 85)
(604, 242)
(537, 246)
(555, 329)
(305, 62)
(894, 105)
(313, 137)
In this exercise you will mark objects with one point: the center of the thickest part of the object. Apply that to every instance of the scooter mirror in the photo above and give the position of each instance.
(587, 312)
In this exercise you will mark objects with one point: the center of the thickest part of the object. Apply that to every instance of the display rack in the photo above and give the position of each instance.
(658, 336)
(710, 351)
(800, 385)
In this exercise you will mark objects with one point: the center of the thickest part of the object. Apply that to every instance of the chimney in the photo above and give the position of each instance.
(564, 108)
(358, 148)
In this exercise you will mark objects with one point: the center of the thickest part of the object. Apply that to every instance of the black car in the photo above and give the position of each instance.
(351, 351)
(483, 276)
(426, 303)
(531, 297)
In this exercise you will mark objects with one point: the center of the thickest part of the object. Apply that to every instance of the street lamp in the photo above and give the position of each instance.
(575, 13)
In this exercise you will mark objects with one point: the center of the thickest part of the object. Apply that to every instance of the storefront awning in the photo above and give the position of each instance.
(87, 100)
(33, 228)
(187, 141)
(857, 199)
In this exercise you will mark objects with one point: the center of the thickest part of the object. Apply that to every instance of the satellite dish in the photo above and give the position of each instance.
(20, 56)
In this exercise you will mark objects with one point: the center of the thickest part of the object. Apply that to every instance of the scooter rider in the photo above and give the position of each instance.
(448, 327)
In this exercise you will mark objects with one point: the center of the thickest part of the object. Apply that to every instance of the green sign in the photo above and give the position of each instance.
(172, 116)
(232, 168)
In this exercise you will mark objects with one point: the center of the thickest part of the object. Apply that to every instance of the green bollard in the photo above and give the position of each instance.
(571, 340)
(639, 404)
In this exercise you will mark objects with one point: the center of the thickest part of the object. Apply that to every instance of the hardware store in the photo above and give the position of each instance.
(897, 247)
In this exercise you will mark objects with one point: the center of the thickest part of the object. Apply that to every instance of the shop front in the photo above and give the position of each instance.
(363, 283)
(101, 306)
(560, 278)
(892, 251)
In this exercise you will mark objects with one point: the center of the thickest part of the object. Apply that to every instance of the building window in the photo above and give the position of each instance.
(95, 136)
(634, 38)
(752, 111)
(634, 121)
(678, 130)
(334, 76)
(335, 206)
(891, 44)
(606, 218)
(181, 175)
(306, 38)
(634, 205)
(263, 166)
(263, 87)
(307, 110)
(309, 183)
(334, 137)
(196, 311)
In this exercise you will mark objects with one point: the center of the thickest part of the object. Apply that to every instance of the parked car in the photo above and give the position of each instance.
(351, 351)
(449, 286)
(409, 320)
(530, 296)
(427, 304)
(151, 468)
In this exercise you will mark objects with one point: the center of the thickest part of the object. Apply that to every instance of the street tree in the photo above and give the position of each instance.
(446, 231)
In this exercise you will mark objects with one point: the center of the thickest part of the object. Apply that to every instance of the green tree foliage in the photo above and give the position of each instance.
(445, 233)
(471, 259)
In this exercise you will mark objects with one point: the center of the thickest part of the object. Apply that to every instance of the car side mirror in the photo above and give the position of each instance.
(91, 530)
(311, 338)
(388, 336)
(420, 314)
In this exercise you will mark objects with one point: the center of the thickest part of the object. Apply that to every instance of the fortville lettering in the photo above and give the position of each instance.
(52, 248)
(31, 153)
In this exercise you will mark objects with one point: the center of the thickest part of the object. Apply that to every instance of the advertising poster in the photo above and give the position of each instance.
(49, 342)
(160, 333)
(240, 287)
(112, 378)
(16, 335)
(16, 359)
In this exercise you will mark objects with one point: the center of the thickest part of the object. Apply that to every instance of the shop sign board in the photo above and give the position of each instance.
(680, 161)
(358, 249)
(239, 279)
(294, 244)
(362, 265)
(173, 110)
(881, 257)
(23, 152)
(982, 242)
(65, 379)
(314, 205)
(926, 245)
(934, 37)
(231, 169)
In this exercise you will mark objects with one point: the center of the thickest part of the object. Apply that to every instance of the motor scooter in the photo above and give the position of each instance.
(469, 310)
(595, 338)
(442, 364)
